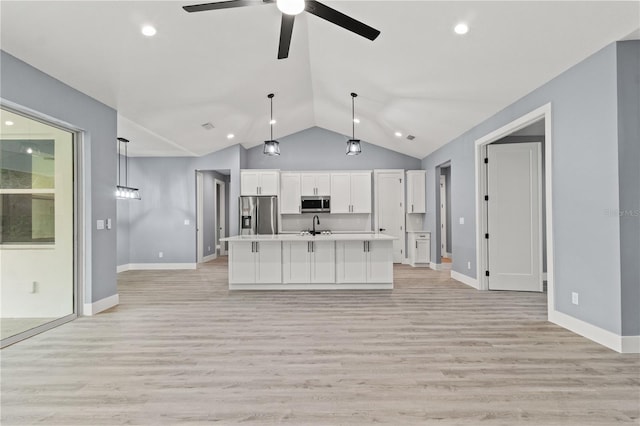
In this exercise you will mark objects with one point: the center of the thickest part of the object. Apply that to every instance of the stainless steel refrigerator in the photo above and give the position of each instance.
(258, 215)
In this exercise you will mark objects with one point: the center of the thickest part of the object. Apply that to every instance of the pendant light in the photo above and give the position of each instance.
(271, 147)
(353, 144)
(125, 192)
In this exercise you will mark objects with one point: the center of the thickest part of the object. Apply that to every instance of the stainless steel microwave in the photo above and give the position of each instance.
(316, 204)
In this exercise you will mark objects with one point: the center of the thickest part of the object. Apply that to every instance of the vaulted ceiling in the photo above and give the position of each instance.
(418, 77)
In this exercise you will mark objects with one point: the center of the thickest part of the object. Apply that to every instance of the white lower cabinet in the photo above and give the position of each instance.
(257, 262)
(307, 262)
(419, 248)
(364, 261)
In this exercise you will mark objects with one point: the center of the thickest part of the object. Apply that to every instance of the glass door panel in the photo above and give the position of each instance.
(36, 231)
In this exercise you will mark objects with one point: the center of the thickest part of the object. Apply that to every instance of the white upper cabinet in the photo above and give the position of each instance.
(416, 186)
(290, 193)
(351, 192)
(315, 184)
(259, 182)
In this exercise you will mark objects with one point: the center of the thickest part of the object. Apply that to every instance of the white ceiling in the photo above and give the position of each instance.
(418, 77)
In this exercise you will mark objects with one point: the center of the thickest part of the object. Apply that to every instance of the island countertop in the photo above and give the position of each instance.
(298, 237)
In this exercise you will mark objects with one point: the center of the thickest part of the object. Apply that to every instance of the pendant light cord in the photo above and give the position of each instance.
(353, 115)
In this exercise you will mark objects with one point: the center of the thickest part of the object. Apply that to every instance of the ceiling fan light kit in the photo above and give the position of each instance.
(291, 8)
(353, 144)
(271, 147)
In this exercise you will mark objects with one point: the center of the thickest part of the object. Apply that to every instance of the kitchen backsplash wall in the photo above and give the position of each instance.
(328, 221)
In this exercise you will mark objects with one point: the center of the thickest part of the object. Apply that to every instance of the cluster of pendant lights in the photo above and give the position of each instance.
(272, 146)
(125, 192)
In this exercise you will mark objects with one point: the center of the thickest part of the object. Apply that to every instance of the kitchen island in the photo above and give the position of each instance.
(306, 262)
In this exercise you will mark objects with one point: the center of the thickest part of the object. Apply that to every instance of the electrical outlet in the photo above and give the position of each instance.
(209, 248)
(160, 254)
(462, 221)
(468, 265)
(574, 298)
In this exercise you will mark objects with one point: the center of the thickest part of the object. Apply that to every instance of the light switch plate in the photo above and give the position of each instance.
(186, 221)
(99, 224)
(108, 223)
(462, 221)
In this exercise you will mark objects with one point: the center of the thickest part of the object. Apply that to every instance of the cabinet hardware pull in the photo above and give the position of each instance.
(257, 247)
(416, 244)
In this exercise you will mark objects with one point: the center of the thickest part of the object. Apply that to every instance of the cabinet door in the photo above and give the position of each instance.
(340, 193)
(269, 183)
(323, 184)
(380, 262)
(416, 192)
(423, 251)
(242, 261)
(351, 262)
(269, 262)
(323, 265)
(249, 183)
(296, 265)
(308, 184)
(290, 193)
(360, 192)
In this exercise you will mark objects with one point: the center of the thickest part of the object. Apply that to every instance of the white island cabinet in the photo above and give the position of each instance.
(305, 262)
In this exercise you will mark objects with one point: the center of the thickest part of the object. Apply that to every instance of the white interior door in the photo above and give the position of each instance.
(389, 211)
(514, 217)
(443, 216)
(200, 215)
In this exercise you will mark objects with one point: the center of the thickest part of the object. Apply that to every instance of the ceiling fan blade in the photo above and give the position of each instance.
(340, 19)
(224, 5)
(286, 30)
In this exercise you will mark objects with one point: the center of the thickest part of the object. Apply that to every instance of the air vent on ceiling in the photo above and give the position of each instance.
(208, 126)
(411, 137)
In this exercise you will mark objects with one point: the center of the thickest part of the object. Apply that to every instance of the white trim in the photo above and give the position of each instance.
(465, 279)
(123, 268)
(406, 261)
(199, 216)
(543, 112)
(622, 344)
(314, 286)
(544, 276)
(436, 266)
(160, 266)
(630, 345)
(209, 258)
(101, 305)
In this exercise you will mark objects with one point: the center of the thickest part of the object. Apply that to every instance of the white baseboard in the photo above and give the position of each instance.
(89, 309)
(465, 279)
(630, 345)
(622, 344)
(435, 266)
(209, 258)
(160, 266)
(123, 268)
(406, 261)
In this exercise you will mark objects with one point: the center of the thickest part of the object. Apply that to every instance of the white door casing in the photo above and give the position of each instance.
(443, 216)
(200, 216)
(389, 208)
(514, 217)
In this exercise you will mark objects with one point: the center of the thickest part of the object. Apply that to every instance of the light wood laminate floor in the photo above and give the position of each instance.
(182, 349)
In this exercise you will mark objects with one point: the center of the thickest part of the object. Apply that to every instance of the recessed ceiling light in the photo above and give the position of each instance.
(461, 28)
(398, 134)
(356, 120)
(9, 123)
(29, 151)
(231, 136)
(149, 31)
(273, 122)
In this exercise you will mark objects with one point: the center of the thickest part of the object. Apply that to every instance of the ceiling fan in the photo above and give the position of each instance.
(291, 8)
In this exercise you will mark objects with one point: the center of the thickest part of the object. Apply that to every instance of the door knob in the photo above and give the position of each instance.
(382, 229)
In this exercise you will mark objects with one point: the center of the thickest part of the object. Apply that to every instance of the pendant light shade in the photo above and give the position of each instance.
(353, 144)
(290, 7)
(271, 147)
(125, 192)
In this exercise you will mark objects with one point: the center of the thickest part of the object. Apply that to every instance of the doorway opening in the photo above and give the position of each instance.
(513, 166)
(444, 216)
(212, 212)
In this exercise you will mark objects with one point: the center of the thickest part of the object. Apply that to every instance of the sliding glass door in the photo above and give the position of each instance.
(37, 288)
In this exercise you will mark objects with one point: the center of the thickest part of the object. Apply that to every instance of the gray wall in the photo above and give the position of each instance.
(585, 179)
(629, 175)
(320, 149)
(168, 189)
(33, 89)
(122, 231)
